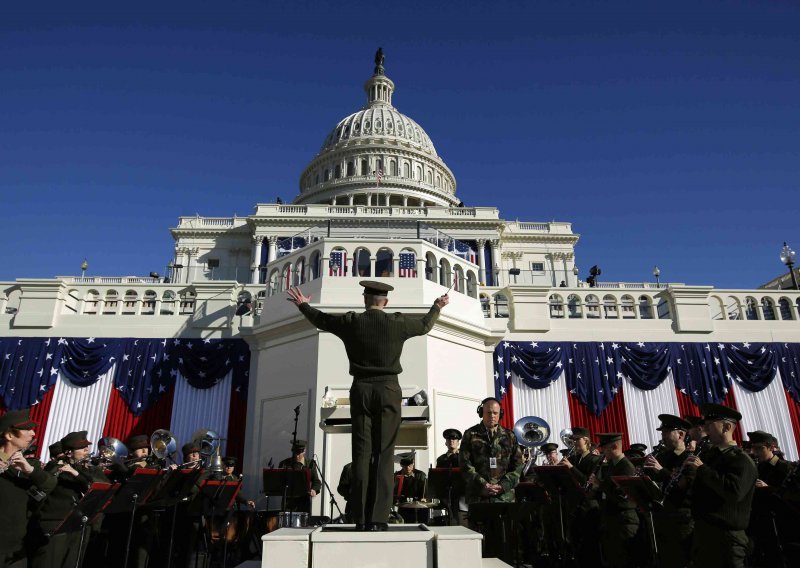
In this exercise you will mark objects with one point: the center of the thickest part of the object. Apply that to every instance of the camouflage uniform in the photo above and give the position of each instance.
(477, 448)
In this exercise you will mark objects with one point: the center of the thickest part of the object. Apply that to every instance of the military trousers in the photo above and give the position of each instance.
(375, 411)
(714, 546)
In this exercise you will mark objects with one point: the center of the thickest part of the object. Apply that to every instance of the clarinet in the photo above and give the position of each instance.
(588, 485)
(640, 470)
(676, 477)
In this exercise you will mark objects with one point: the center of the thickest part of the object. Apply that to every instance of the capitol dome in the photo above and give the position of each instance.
(378, 156)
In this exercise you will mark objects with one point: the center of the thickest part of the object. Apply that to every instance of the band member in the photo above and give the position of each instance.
(191, 456)
(297, 462)
(636, 451)
(772, 470)
(139, 448)
(409, 482)
(696, 434)
(619, 521)
(22, 482)
(583, 511)
(673, 522)
(55, 451)
(344, 487)
(722, 494)
(374, 341)
(229, 467)
(550, 454)
(452, 439)
(75, 476)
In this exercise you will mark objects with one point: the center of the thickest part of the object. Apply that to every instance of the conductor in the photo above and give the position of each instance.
(374, 341)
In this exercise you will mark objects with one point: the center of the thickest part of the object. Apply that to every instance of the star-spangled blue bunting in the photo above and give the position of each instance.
(595, 370)
(145, 368)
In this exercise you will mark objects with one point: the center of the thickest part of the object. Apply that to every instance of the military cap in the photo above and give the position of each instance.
(55, 449)
(693, 421)
(608, 437)
(230, 461)
(639, 447)
(761, 437)
(75, 441)
(376, 288)
(632, 454)
(17, 419)
(299, 445)
(565, 451)
(671, 422)
(547, 448)
(713, 412)
(406, 458)
(580, 432)
(138, 442)
(190, 447)
(452, 434)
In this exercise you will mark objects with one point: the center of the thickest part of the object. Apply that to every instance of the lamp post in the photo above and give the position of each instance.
(788, 256)
(84, 266)
(657, 274)
(575, 274)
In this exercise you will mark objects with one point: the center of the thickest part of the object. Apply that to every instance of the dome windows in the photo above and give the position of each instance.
(337, 172)
(364, 167)
(351, 169)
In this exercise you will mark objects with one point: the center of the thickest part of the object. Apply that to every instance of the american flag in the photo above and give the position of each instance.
(465, 251)
(336, 267)
(379, 175)
(408, 265)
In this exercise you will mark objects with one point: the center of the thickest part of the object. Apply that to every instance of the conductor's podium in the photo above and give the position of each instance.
(337, 546)
(414, 423)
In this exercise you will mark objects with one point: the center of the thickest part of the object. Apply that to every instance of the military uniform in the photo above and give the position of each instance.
(344, 488)
(16, 489)
(477, 449)
(413, 485)
(582, 510)
(374, 342)
(447, 460)
(302, 504)
(722, 497)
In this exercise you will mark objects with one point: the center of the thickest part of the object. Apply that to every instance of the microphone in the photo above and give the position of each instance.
(297, 408)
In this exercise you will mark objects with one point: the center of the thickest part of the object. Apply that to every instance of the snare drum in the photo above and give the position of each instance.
(292, 520)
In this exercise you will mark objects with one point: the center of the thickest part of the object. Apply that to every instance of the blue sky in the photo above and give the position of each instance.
(667, 133)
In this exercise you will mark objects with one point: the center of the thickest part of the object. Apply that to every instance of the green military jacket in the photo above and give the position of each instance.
(474, 459)
(16, 502)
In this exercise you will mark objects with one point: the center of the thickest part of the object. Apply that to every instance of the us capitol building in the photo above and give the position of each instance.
(378, 201)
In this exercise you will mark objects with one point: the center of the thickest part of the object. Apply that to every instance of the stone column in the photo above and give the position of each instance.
(273, 248)
(482, 261)
(493, 245)
(350, 200)
(187, 265)
(258, 240)
(372, 260)
(405, 201)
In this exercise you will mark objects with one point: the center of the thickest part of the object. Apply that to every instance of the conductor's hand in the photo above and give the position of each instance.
(297, 297)
(442, 301)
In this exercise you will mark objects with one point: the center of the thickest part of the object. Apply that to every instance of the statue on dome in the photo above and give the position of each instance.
(379, 61)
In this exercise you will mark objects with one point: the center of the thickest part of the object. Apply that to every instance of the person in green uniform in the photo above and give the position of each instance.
(673, 522)
(414, 480)
(299, 462)
(344, 489)
(374, 342)
(618, 517)
(722, 494)
(22, 483)
(74, 475)
(452, 439)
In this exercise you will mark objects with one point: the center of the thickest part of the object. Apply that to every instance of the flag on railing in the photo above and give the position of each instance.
(465, 251)
(289, 245)
(379, 175)
(337, 264)
(408, 265)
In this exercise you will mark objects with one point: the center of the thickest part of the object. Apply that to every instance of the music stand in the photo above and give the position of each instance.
(86, 511)
(215, 500)
(288, 483)
(446, 483)
(643, 492)
(177, 485)
(558, 481)
(488, 514)
(136, 490)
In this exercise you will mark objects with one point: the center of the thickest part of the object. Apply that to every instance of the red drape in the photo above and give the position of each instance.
(507, 404)
(39, 414)
(613, 418)
(237, 425)
(121, 422)
(688, 408)
(794, 415)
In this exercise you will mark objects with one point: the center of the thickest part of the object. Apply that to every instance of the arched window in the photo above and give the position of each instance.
(274, 278)
(379, 165)
(286, 277)
(168, 303)
(645, 307)
(472, 284)
(187, 302)
(327, 175)
(574, 306)
(438, 180)
(149, 303)
(362, 265)
(716, 308)
(299, 272)
(406, 170)
(592, 306)
(392, 168)
(445, 276)
(129, 302)
(734, 308)
(316, 179)
(418, 173)
(458, 274)
(364, 167)
(337, 262)
(111, 302)
(768, 307)
(314, 265)
(556, 306)
(431, 267)
(785, 307)
(628, 308)
(337, 171)
(351, 169)
(427, 177)
(751, 311)
(91, 301)
(384, 263)
(610, 307)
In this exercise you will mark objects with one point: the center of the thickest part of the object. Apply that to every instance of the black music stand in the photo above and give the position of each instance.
(643, 492)
(215, 500)
(86, 511)
(558, 481)
(177, 485)
(287, 483)
(488, 515)
(446, 483)
(136, 490)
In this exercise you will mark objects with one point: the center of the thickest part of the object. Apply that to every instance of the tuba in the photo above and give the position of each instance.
(531, 432)
(209, 443)
(163, 444)
(111, 451)
(566, 439)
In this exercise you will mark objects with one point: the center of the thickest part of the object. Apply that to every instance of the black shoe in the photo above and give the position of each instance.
(361, 527)
(378, 527)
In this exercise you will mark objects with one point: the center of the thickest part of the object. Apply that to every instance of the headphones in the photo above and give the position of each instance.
(489, 399)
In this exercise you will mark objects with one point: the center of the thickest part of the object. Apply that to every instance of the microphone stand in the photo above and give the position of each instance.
(332, 502)
(286, 479)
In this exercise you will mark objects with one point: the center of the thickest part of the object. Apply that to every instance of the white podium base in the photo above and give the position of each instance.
(337, 546)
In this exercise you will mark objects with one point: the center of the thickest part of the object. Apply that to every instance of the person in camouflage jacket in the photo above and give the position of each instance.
(490, 458)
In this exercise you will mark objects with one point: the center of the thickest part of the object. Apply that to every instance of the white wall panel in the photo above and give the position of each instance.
(767, 410)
